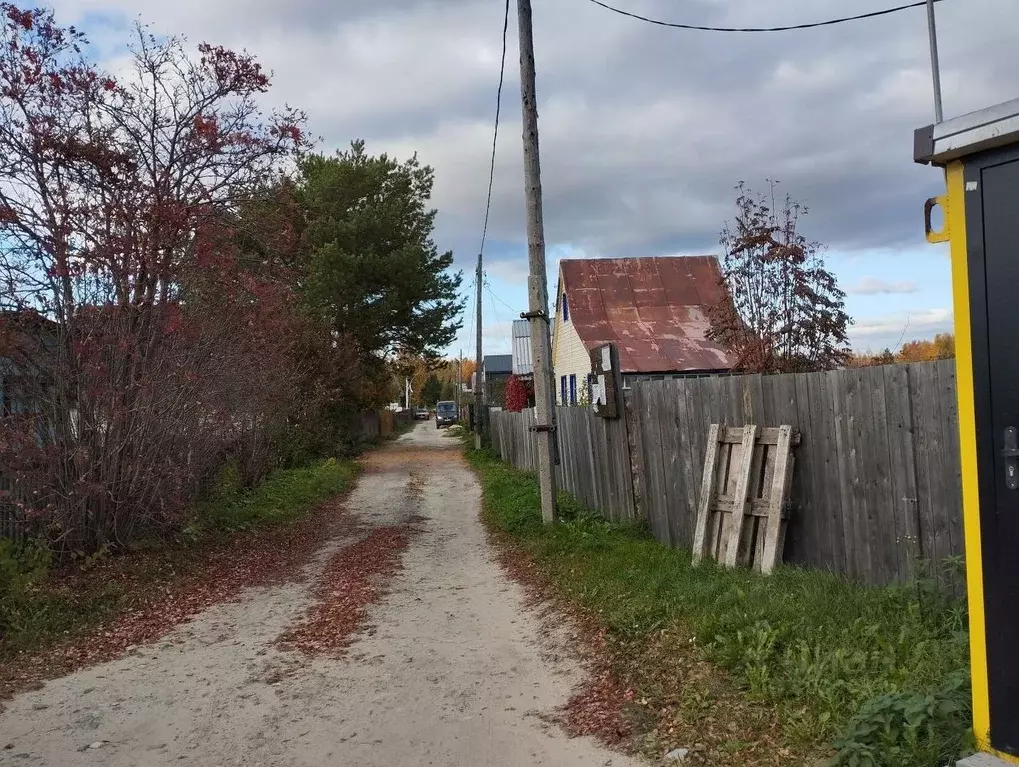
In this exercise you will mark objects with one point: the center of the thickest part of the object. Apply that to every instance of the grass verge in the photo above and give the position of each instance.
(41, 607)
(285, 495)
(798, 667)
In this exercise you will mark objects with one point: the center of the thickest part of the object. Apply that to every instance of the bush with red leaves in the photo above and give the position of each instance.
(518, 394)
(150, 320)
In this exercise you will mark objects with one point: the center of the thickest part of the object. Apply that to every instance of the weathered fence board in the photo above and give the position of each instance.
(876, 486)
(594, 456)
(877, 472)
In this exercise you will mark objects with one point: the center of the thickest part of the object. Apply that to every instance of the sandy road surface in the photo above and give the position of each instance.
(454, 670)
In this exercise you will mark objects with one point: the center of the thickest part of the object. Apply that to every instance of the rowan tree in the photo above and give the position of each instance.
(781, 310)
(155, 346)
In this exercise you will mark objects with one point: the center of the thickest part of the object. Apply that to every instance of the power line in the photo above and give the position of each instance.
(498, 316)
(488, 287)
(495, 133)
(697, 28)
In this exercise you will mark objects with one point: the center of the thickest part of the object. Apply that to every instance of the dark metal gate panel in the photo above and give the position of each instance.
(992, 208)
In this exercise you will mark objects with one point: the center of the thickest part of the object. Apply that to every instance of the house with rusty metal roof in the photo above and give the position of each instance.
(654, 309)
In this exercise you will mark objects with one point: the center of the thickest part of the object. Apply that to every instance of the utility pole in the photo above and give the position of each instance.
(932, 33)
(537, 289)
(459, 381)
(478, 393)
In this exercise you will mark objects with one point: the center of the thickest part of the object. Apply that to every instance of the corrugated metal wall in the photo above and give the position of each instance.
(523, 362)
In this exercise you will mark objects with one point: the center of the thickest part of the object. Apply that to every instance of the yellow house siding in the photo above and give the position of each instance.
(569, 355)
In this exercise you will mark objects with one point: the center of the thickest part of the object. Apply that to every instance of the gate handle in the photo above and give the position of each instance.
(1010, 451)
(928, 207)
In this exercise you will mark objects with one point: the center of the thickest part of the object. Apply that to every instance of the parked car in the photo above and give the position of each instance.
(421, 413)
(445, 414)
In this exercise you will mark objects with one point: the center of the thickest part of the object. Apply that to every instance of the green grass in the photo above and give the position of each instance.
(286, 495)
(880, 672)
(35, 612)
(38, 607)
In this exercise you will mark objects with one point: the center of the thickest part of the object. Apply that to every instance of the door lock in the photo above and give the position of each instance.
(1010, 452)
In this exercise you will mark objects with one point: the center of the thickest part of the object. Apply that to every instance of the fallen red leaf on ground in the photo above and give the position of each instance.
(596, 708)
(355, 577)
(216, 574)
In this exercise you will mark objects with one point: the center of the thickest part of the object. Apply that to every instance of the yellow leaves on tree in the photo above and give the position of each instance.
(941, 347)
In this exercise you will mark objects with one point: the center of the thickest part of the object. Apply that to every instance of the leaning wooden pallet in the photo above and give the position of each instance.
(741, 514)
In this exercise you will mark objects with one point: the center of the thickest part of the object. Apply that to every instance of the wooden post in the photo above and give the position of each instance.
(478, 389)
(537, 289)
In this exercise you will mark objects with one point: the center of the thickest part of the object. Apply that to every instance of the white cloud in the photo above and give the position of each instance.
(497, 337)
(645, 131)
(892, 330)
(512, 271)
(873, 286)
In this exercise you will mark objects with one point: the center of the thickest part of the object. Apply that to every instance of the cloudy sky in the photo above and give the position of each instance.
(644, 130)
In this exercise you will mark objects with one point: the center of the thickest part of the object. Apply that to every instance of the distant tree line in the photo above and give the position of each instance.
(942, 347)
(432, 379)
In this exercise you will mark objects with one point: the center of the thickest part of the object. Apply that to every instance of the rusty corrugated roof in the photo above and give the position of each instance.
(655, 310)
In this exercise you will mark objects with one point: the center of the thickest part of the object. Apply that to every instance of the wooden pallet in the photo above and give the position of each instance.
(741, 515)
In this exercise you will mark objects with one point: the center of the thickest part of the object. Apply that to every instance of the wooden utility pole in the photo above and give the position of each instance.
(537, 288)
(932, 32)
(478, 393)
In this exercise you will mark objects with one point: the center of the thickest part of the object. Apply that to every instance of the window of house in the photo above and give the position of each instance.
(562, 390)
(566, 308)
(573, 389)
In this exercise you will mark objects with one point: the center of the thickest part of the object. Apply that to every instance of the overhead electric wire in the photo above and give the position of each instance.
(812, 25)
(495, 132)
(498, 317)
(488, 287)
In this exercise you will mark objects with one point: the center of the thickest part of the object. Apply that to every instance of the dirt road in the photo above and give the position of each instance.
(453, 670)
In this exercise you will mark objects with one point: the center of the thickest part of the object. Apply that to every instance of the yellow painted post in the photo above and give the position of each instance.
(954, 208)
(960, 146)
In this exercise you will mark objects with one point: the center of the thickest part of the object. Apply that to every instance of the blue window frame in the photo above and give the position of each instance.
(573, 389)
(562, 390)
(566, 308)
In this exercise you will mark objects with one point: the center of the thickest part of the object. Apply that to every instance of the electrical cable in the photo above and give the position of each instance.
(495, 132)
(508, 333)
(498, 316)
(488, 287)
(812, 25)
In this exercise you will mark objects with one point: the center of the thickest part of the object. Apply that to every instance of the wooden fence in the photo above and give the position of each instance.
(371, 425)
(381, 423)
(594, 464)
(876, 484)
